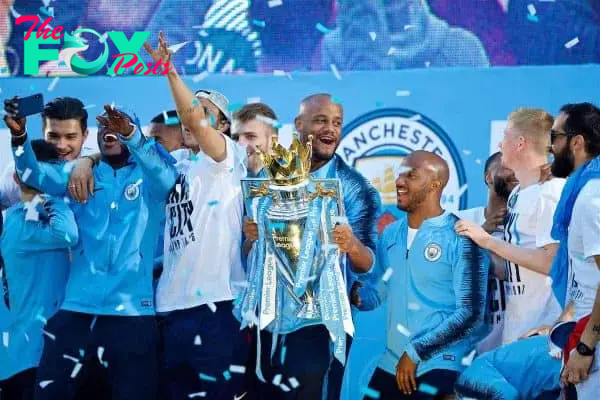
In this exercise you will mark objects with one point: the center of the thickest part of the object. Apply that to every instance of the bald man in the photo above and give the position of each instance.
(307, 345)
(436, 282)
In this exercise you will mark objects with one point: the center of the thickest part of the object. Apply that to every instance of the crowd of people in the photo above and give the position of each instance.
(122, 269)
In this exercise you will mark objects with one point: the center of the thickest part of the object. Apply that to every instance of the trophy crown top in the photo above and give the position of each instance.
(286, 167)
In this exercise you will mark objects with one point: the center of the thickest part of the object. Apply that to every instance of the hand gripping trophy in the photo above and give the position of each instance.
(294, 274)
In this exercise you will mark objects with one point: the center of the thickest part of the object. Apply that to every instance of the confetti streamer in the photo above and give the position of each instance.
(403, 330)
(274, 3)
(467, 152)
(335, 71)
(258, 23)
(100, 353)
(81, 353)
(402, 93)
(283, 352)
(462, 190)
(212, 306)
(113, 205)
(120, 307)
(198, 394)
(19, 151)
(90, 106)
(531, 9)
(251, 100)
(5, 339)
(478, 161)
(468, 359)
(294, 382)
(208, 378)
(68, 357)
(197, 340)
(237, 369)
(407, 27)
(226, 375)
(367, 391)
(51, 336)
(278, 72)
(571, 43)
(26, 174)
(284, 387)
(41, 318)
(387, 274)
(53, 84)
(427, 64)
(93, 322)
(76, 370)
(323, 29)
(43, 384)
(414, 306)
(178, 46)
(373, 35)
(392, 51)
(425, 388)
(277, 380)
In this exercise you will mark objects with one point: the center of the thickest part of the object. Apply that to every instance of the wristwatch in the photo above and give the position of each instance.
(584, 350)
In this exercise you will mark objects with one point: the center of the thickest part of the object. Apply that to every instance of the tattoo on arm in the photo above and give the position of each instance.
(596, 329)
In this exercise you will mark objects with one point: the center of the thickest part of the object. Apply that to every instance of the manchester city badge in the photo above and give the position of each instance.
(132, 191)
(433, 252)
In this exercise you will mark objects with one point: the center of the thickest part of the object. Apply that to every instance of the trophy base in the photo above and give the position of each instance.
(309, 311)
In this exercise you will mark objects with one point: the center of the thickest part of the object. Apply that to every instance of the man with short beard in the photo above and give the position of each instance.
(309, 345)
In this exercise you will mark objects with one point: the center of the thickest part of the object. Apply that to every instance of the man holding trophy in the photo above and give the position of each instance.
(315, 219)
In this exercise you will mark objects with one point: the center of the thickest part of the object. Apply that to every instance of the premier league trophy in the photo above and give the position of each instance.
(294, 269)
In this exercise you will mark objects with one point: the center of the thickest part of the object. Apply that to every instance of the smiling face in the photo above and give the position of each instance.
(412, 185)
(322, 119)
(66, 135)
(253, 134)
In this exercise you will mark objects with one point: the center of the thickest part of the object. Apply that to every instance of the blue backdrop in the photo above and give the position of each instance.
(458, 113)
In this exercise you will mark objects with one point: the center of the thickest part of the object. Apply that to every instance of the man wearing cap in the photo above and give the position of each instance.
(203, 350)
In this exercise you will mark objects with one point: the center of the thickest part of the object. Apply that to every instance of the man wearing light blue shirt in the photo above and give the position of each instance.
(435, 283)
(37, 234)
(108, 311)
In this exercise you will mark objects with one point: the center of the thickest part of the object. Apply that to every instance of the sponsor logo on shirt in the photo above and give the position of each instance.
(375, 143)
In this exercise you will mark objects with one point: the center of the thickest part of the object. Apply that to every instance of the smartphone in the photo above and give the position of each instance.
(30, 105)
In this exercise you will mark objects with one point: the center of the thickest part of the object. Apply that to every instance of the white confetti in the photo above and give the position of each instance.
(251, 100)
(19, 151)
(41, 318)
(203, 33)
(277, 380)
(416, 117)
(51, 336)
(407, 27)
(467, 152)
(237, 369)
(278, 72)
(212, 306)
(176, 47)
(198, 394)
(393, 51)
(294, 382)
(387, 274)
(468, 360)
(120, 307)
(373, 35)
(478, 161)
(531, 9)
(202, 75)
(548, 281)
(427, 64)
(68, 357)
(275, 3)
(414, 306)
(43, 384)
(66, 200)
(402, 93)
(26, 174)
(284, 388)
(90, 106)
(100, 353)
(103, 38)
(113, 205)
(5, 339)
(76, 370)
(462, 190)
(403, 330)
(197, 340)
(204, 123)
(335, 71)
(178, 188)
(572, 42)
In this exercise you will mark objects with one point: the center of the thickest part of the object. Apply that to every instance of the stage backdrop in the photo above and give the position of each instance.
(458, 113)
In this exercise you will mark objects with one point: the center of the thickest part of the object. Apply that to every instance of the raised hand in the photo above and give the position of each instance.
(161, 54)
(116, 121)
(11, 119)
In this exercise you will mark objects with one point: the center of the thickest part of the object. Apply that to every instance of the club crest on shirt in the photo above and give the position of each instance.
(433, 252)
(132, 192)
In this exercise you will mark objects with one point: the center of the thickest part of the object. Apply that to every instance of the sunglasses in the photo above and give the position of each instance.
(555, 134)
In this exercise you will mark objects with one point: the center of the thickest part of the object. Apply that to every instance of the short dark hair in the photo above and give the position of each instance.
(160, 118)
(490, 161)
(584, 119)
(251, 111)
(45, 151)
(63, 108)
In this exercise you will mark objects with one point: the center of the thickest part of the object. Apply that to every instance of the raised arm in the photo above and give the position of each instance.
(191, 112)
(470, 285)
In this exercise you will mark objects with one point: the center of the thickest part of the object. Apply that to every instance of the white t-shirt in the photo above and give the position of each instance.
(584, 244)
(410, 237)
(496, 296)
(529, 299)
(203, 232)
